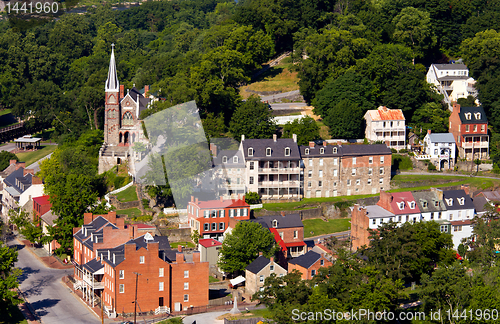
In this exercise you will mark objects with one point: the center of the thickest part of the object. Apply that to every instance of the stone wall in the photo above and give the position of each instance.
(177, 235)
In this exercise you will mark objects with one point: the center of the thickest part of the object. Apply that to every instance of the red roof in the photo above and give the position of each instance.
(140, 225)
(398, 198)
(278, 239)
(42, 200)
(291, 244)
(209, 242)
(215, 204)
(459, 222)
(384, 113)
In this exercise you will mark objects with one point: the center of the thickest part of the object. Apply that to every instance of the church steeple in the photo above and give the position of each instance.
(112, 84)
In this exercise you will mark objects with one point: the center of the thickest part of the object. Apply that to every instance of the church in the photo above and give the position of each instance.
(122, 124)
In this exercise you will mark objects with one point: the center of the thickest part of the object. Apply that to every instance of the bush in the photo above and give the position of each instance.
(403, 151)
(393, 150)
(411, 154)
(400, 162)
(431, 167)
(145, 203)
(252, 198)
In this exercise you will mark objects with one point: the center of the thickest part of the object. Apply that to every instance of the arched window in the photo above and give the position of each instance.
(128, 120)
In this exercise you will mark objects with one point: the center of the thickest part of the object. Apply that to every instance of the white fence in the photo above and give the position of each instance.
(117, 191)
(282, 120)
(423, 157)
(172, 210)
(255, 206)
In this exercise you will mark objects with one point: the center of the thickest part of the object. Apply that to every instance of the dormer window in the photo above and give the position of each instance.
(461, 201)
(468, 116)
(268, 151)
(235, 159)
(449, 201)
(334, 150)
(412, 204)
(224, 159)
(275, 223)
(401, 205)
(250, 151)
(477, 115)
(322, 150)
(436, 203)
(287, 151)
(306, 151)
(424, 204)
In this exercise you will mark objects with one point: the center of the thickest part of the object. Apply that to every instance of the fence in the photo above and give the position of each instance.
(172, 210)
(256, 206)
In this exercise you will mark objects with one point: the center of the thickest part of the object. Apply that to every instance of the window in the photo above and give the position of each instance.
(186, 285)
(214, 226)
(381, 159)
(381, 170)
(444, 228)
(353, 160)
(477, 115)
(374, 221)
(335, 172)
(287, 151)
(369, 181)
(334, 150)
(160, 272)
(353, 172)
(261, 278)
(221, 226)
(121, 274)
(412, 204)
(467, 128)
(221, 213)
(461, 201)
(381, 180)
(306, 151)
(250, 151)
(186, 298)
(275, 223)
(141, 259)
(268, 151)
(370, 159)
(320, 183)
(322, 262)
(271, 267)
(483, 128)
(251, 165)
(475, 128)
(309, 184)
(320, 173)
(424, 204)
(235, 159)
(370, 171)
(121, 288)
(435, 151)
(310, 162)
(313, 273)
(383, 124)
(231, 213)
(206, 213)
(224, 159)
(322, 150)
(348, 182)
(250, 180)
(206, 227)
(449, 201)
(295, 234)
(468, 116)
(436, 203)
(335, 161)
(320, 162)
(160, 286)
(213, 213)
(128, 120)
(186, 273)
(358, 182)
(309, 174)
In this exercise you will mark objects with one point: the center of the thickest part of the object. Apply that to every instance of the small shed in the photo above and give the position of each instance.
(27, 142)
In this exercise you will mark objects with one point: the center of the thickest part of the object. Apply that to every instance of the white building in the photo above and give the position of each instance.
(452, 81)
(386, 125)
(441, 148)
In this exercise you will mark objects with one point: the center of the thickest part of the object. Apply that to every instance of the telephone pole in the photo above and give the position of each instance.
(135, 302)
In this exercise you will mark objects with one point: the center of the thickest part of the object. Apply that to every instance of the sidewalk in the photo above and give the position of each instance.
(42, 254)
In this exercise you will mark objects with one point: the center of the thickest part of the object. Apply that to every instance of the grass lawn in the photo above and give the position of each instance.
(212, 279)
(184, 244)
(131, 212)
(128, 194)
(320, 227)
(308, 203)
(445, 181)
(32, 157)
(278, 78)
(324, 131)
(5, 111)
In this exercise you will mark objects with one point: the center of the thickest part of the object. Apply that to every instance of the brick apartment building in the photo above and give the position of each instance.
(308, 264)
(108, 254)
(469, 127)
(211, 217)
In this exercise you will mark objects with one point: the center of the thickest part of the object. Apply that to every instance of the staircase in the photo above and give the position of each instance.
(162, 310)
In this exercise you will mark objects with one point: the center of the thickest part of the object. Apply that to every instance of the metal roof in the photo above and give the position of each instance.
(441, 138)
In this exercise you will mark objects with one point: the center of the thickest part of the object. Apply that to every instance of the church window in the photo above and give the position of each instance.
(128, 120)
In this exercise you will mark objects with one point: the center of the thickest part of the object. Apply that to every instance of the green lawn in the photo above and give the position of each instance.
(320, 227)
(32, 157)
(212, 279)
(5, 111)
(184, 244)
(131, 212)
(308, 203)
(128, 194)
(439, 181)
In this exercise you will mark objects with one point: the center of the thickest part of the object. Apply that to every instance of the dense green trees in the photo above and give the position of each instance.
(252, 119)
(8, 280)
(306, 130)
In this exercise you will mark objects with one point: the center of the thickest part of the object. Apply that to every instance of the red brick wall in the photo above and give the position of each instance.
(359, 227)
(226, 219)
(39, 210)
(306, 273)
(288, 234)
(197, 280)
(455, 123)
(471, 129)
(385, 200)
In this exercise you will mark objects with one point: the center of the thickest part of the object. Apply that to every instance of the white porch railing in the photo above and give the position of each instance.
(162, 310)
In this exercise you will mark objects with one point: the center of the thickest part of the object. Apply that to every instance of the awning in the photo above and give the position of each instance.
(292, 244)
(237, 280)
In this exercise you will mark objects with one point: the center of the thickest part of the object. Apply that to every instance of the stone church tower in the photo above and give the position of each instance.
(112, 107)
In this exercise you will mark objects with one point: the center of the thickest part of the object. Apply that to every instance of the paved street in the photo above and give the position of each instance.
(8, 147)
(288, 106)
(205, 318)
(36, 166)
(53, 302)
(280, 95)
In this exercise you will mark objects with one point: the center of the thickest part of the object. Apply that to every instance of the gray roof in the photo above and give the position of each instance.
(451, 66)
(277, 149)
(456, 196)
(229, 154)
(369, 149)
(287, 221)
(315, 151)
(453, 77)
(473, 119)
(491, 195)
(11, 180)
(442, 138)
(93, 266)
(479, 204)
(306, 260)
(12, 191)
(258, 264)
(375, 211)
(431, 198)
(49, 218)
(92, 227)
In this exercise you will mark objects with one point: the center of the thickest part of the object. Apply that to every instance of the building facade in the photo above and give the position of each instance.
(441, 149)
(386, 125)
(308, 264)
(260, 269)
(469, 127)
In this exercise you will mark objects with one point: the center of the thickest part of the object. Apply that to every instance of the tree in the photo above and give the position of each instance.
(252, 198)
(306, 130)
(413, 28)
(5, 158)
(243, 245)
(431, 116)
(344, 120)
(252, 119)
(8, 280)
(195, 237)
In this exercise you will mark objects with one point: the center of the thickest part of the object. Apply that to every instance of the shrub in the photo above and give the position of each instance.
(145, 203)
(411, 154)
(393, 150)
(252, 198)
(403, 151)
(400, 162)
(431, 167)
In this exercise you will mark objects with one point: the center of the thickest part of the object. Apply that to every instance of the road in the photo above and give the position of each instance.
(288, 106)
(36, 166)
(280, 95)
(8, 147)
(53, 302)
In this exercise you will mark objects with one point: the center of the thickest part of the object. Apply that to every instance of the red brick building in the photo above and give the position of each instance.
(469, 127)
(211, 218)
(308, 264)
(112, 260)
(41, 205)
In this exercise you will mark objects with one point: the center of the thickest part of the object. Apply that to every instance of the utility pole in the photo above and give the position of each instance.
(135, 303)
(102, 308)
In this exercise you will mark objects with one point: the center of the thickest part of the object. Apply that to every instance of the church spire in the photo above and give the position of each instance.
(112, 84)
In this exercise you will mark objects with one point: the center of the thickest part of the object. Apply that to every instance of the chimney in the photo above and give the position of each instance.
(429, 131)
(213, 149)
(221, 198)
(192, 198)
(465, 188)
(311, 144)
(111, 217)
(275, 137)
(131, 231)
(179, 257)
(283, 213)
(260, 253)
(36, 180)
(196, 256)
(12, 162)
(122, 91)
(87, 218)
(179, 248)
(385, 200)
(20, 165)
(243, 197)
(242, 137)
(456, 107)
(339, 143)
(438, 192)
(294, 136)
(120, 223)
(146, 90)
(75, 230)
(271, 259)
(325, 143)
(196, 201)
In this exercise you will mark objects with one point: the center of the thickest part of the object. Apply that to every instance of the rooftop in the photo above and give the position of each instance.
(258, 264)
(384, 113)
(287, 221)
(451, 66)
(209, 242)
(441, 138)
(306, 260)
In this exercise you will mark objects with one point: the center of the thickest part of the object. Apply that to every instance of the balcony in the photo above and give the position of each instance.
(389, 129)
(484, 144)
(279, 170)
(290, 183)
(94, 284)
